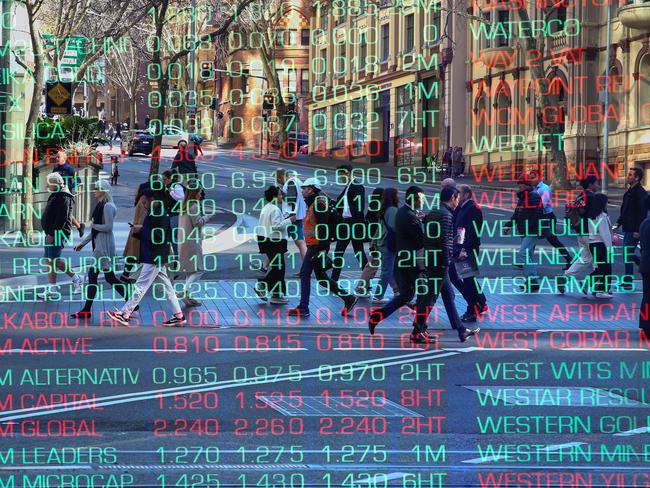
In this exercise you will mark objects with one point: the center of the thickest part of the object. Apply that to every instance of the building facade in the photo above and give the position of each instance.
(240, 90)
(503, 92)
(384, 80)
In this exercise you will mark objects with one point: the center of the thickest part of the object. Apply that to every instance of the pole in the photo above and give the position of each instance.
(193, 67)
(605, 158)
(262, 128)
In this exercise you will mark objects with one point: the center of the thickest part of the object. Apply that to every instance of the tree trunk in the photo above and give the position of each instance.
(558, 156)
(132, 112)
(27, 197)
(163, 85)
(92, 100)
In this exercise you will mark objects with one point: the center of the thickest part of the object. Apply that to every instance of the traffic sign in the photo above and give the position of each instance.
(58, 100)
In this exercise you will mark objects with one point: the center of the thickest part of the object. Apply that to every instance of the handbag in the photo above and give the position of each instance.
(466, 268)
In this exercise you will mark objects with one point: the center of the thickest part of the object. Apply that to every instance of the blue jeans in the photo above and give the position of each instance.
(630, 241)
(386, 272)
(440, 286)
(527, 255)
(312, 262)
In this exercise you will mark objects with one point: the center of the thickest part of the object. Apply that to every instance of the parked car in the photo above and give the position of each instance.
(136, 141)
(302, 138)
(173, 135)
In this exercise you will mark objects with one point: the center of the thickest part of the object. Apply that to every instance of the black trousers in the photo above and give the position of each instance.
(644, 312)
(601, 276)
(274, 278)
(437, 283)
(93, 275)
(547, 223)
(406, 280)
(341, 246)
(469, 290)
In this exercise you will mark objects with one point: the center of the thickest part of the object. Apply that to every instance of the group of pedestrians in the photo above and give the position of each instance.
(398, 236)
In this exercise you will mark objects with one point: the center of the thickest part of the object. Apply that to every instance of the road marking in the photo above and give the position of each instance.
(640, 430)
(218, 385)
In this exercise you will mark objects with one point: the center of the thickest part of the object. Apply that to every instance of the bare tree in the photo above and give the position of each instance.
(223, 15)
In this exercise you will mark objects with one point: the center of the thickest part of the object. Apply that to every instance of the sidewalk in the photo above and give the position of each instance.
(390, 171)
(228, 303)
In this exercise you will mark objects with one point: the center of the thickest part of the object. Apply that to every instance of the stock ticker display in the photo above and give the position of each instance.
(337, 244)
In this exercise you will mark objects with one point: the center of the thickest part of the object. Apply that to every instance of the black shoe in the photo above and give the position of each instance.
(81, 314)
(175, 322)
(119, 317)
(482, 308)
(518, 266)
(422, 338)
(375, 320)
(350, 302)
(468, 333)
(82, 229)
(261, 294)
(468, 317)
(298, 312)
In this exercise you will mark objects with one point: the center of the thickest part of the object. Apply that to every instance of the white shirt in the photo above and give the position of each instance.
(301, 207)
(346, 206)
(272, 224)
(177, 192)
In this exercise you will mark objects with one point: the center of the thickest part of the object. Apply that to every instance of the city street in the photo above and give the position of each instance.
(552, 391)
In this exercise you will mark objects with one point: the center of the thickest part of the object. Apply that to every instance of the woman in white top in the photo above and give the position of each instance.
(191, 220)
(600, 241)
(272, 240)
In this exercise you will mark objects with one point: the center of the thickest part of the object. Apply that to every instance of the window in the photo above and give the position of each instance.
(363, 52)
(279, 37)
(385, 42)
(304, 81)
(323, 65)
(304, 37)
(502, 118)
(244, 81)
(319, 127)
(481, 116)
(338, 125)
(324, 21)
(644, 91)
(435, 31)
(292, 81)
(358, 123)
(293, 37)
(339, 61)
(503, 17)
(409, 35)
(405, 126)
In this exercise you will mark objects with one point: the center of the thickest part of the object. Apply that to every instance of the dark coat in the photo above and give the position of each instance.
(57, 216)
(156, 235)
(644, 230)
(633, 209)
(528, 213)
(409, 231)
(185, 161)
(69, 174)
(356, 201)
(470, 217)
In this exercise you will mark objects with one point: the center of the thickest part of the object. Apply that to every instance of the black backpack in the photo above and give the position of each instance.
(333, 219)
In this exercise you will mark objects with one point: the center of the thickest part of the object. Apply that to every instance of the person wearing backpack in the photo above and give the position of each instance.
(374, 257)
(351, 204)
(319, 223)
(387, 244)
(409, 237)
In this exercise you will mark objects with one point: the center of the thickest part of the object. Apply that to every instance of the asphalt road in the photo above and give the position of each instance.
(307, 406)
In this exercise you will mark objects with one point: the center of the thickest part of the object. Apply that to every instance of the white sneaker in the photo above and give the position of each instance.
(77, 281)
(279, 301)
(606, 296)
(51, 293)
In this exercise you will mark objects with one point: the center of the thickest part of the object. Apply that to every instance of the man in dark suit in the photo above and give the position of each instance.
(633, 212)
(351, 204)
(438, 249)
(409, 238)
(644, 269)
(467, 219)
